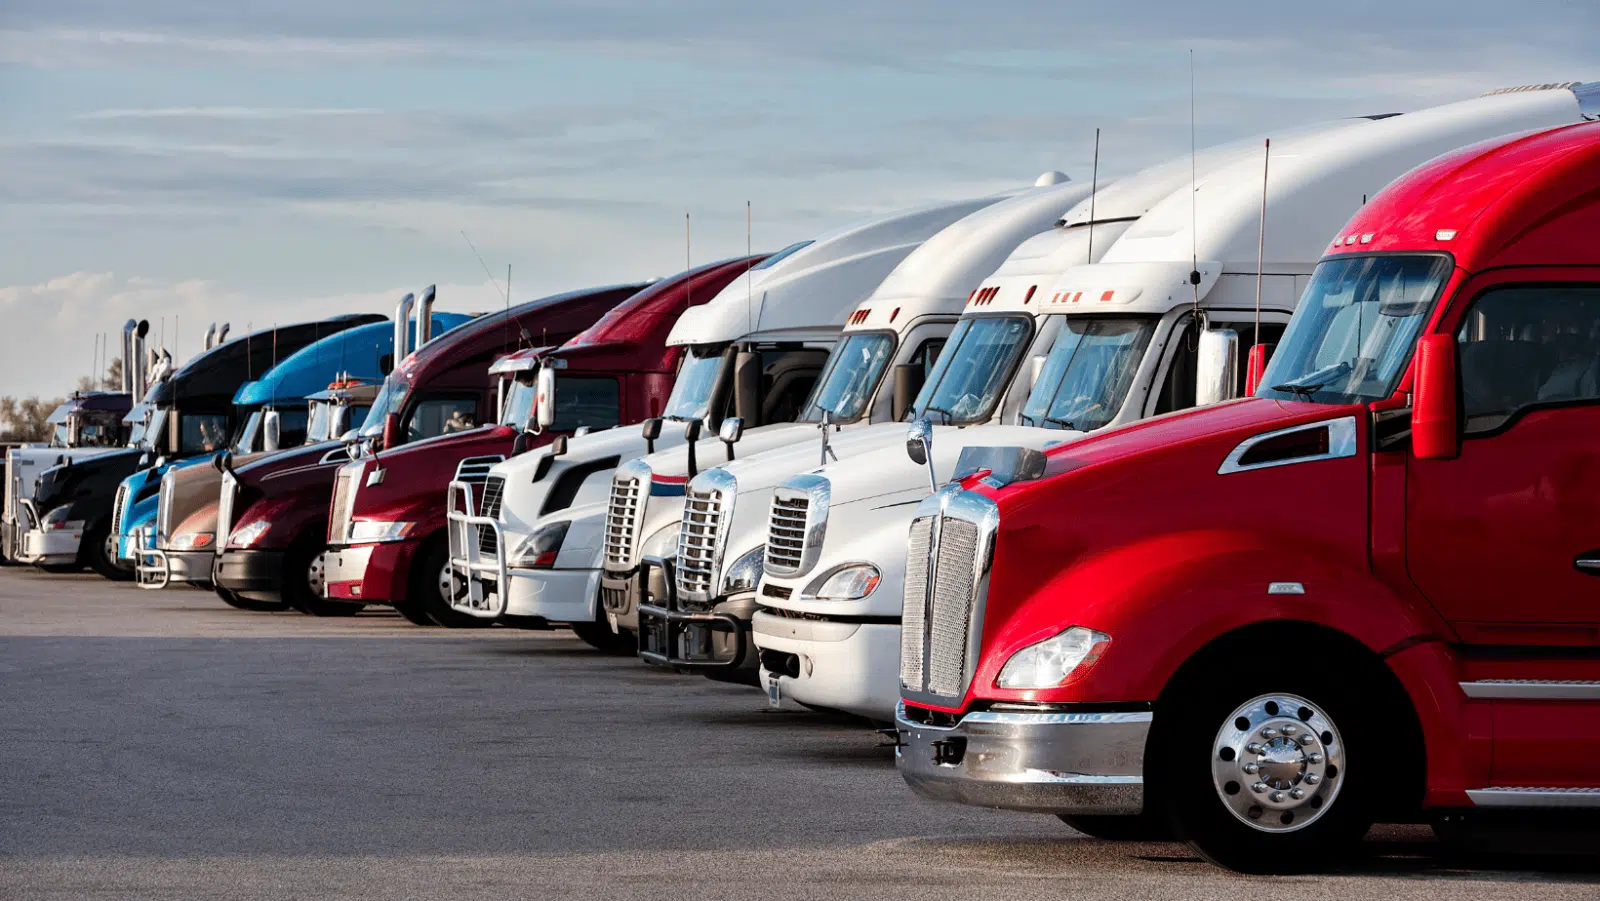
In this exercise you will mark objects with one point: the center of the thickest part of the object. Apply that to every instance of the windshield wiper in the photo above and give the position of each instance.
(1064, 423)
(1302, 391)
(1312, 382)
(948, 417)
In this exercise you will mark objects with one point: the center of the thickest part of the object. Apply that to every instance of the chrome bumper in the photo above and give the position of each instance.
(477, 582)
(1078, 763)
(155, 568)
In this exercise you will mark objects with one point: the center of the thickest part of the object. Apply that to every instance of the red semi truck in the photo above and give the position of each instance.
(275, 510)
(1367, 593)
(386, 538)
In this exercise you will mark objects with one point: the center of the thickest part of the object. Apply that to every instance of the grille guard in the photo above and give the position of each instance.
(662, 625)
(469, 588)
(150, 567)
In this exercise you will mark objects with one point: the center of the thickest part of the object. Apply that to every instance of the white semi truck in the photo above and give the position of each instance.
(751, 353)
(1116, 343)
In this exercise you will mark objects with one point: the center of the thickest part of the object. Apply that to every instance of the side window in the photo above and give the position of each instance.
(927, 354)
(202, 433)
(787, 377)
(595, 402)
(292, 427)
(1178, 389)
(441, 416)
(1527, 346)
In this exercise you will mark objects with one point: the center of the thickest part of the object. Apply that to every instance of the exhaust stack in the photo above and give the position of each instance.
(222, 334)
(211, 335)
(141, 375)
(402, 317)
(424, 318)
(128, 360)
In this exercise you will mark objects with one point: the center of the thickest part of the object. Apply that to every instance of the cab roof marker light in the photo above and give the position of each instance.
(1105, 296)
(1366, 238)
(1445, 234)
(893, 313)
(1029, 295)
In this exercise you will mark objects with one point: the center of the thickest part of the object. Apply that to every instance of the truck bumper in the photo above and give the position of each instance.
(557, 595)
(853, 667)
(369, 573)
(619, 597)
(157, 568)
(252, 573)
(1046, 762)
(50, 548)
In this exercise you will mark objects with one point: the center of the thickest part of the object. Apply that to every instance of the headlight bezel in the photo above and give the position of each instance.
(378, 531)
(1070, 652)
(744, 574)
(867, 577)
(192, 541)
(542, 546)
(249, 533)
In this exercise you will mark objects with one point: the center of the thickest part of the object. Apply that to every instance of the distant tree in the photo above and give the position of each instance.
(26, 419)
(113, 377)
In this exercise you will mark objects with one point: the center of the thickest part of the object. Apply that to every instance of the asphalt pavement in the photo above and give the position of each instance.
(162, 745)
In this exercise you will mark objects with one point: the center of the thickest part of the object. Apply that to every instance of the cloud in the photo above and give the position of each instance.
(63, 48)
(220, 112)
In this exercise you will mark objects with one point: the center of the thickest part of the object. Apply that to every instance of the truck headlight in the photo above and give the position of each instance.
(745, 573)
(1048, 663)
(188, 541)
(539, 550)
(246, 535)
(364, 531)
(849, 583)
(663, 544)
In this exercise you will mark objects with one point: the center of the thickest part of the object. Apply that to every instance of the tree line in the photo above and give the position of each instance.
(27, 418)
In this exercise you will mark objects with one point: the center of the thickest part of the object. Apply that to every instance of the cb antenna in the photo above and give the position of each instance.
(749, 283)
(505, 330)
(1094, 185)
(1261, 238)
(1194, 216)
(688, 286)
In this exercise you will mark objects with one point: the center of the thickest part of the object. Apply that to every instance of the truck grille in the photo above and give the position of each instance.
(707, 505)
(117, 507)
(624, 513)
(164, 500)
(494, 489)
(795, 524)
(947, 566)
(344, 495)
(475, 470)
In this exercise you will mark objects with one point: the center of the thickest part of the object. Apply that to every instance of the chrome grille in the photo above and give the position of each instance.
(697, 542)
(913, 620)
(494, 489)
(344, 495)
(624, 513)
(117, 506)
(947, 567)
(164, 500)
(475, 470)
(786, 534)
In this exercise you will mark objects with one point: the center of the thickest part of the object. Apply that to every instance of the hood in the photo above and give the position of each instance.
(258, 468)
(446, 445)
(711, 453)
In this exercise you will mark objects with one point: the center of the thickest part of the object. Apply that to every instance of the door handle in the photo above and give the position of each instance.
(1588, 563)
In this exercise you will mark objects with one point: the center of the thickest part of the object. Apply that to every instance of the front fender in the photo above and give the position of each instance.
(1164, 598)
(287, 517)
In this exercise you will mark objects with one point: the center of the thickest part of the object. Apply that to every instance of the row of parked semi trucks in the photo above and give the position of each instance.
(1137, 502)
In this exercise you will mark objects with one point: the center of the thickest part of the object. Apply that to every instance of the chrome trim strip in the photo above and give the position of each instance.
(1061, 718)
(815, 490)
(1341, 443)
(1532, 689)
(1534, 796)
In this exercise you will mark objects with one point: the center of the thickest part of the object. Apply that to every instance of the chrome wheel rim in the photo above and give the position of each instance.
(446, 589)
(1278, 763)
(111, 547)
(317, 574)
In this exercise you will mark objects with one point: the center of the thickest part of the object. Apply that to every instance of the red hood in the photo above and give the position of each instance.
(416, 475)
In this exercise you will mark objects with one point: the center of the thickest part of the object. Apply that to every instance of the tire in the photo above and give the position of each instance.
(598, 635)
(303, 580)
(240, 603)
(428, 588)
(1301, 813)
(1142, 827)
(99, 552)
(58, 569)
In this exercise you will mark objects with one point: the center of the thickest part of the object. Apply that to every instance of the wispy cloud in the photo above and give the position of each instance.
(222, 112)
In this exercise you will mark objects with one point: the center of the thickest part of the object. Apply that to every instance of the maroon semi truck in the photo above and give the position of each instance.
(275, 510)
(386, 525)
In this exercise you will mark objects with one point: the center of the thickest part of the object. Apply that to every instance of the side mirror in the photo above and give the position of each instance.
(218, 462)
(519, 445)
(350, 436)
(161, 461)
(691, 434)
(580, 431)
(1435, 404)
(391, 430)
(271, 431)
(1217, 366)
(908, 379)
(730, 432)
(1256, 370)
(545, 405)
(919, 447)
(650, 430)
(558, 446)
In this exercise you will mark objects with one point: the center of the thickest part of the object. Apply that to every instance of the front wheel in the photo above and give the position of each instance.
(304, 576)
(1258, 781)
(598, 635)
(100, 552)
(430, 589)
(234, 600)
(1141, 827)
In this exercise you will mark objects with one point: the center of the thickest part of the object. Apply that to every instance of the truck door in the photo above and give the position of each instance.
(1504, 540)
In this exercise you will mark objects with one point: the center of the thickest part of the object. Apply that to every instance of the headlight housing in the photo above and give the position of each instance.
(745, 573)
(366, 531)
(246, 535)
(539, 550)
(188, 541)
(851, 582)
(1049, 663)
(663, 544)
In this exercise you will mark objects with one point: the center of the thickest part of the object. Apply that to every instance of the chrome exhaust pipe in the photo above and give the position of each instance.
(222, 334)
(141, 374)
(211, 335)
(402, 323)
(128, 361)
(424, 318)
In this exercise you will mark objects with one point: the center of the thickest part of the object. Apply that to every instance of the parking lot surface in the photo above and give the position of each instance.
(162, 745)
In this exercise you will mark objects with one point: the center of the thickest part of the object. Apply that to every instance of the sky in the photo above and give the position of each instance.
(189, 162)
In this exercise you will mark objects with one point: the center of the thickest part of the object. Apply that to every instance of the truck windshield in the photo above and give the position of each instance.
(973, 369)
(390, 399)
(520, 396)
(1352, 334)
(1088, 373)
(850, 378)
(244, 439)
(697, 378)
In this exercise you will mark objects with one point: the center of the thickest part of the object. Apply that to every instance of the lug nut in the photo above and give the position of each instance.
(1253, 748)
(1308, 739)
(1252, 768)
(1297, 794)
(1258, 787)
(1269, 733)
(1275, 797)
(1313, 758)
(1312, 778)
(1289, 729)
